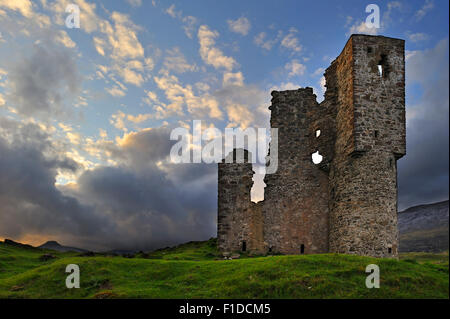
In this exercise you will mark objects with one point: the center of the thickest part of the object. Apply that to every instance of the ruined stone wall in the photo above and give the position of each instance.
(295, 207)
(348, 202)
(363, 175)
(239, 223)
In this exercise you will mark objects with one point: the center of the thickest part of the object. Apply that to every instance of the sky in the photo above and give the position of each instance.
(86, 113)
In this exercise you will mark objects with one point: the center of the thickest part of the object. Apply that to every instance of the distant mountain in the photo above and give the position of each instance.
(424, 228)
(14, 243)
(53, 245)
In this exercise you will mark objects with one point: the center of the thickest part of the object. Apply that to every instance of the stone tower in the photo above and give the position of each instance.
(348, 202)
(238, 223)
(369, 88)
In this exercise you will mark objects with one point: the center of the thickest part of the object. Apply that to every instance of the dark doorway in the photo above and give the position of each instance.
(390, 250)
(244, 245)
(302, 249)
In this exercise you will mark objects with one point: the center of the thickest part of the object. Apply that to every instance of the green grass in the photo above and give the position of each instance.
(422, 257)
(193, 271)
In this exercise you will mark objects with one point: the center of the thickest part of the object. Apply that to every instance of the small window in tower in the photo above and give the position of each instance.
(389, 250)
(302, 249)
(390, 162)
(383, 67)
(369, 49)
(376, 134)
(316, 158)
(270, 249)
(244, 245)
(318, 133)
(380, 70)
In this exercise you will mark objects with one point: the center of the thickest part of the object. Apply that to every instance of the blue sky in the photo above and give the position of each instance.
(102, 96)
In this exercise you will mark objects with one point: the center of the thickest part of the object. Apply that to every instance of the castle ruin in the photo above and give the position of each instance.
(348, 202)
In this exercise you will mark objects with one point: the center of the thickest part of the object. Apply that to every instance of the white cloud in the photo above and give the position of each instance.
(118, 120)
(2, 100)
(230, 78)
(209, 53)
(285, 86)
(189, 25)
(241, 25)
(99, 45)
(291, 42)
(361, 28)
(319, 71)
(90, 21)
(124, 40)
(262, 41)
(25, 7)
(172, 12)
(427, 6)
(239, 114)
(417, 37)
(176, 61)
(135, 3)
(180, 96)
(63, 38)
(295, 68)
(189, 22)
(116, 91)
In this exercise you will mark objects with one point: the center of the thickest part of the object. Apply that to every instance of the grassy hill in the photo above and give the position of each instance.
(195, 270)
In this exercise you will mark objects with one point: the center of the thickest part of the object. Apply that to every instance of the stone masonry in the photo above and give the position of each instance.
(348, 202)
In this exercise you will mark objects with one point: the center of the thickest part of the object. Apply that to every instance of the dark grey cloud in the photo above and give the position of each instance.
(135, 205)
(423, 172)
(42, 82)
(29, 200)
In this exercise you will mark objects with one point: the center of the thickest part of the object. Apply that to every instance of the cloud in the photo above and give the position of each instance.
(319, 71)
(427, 6)
(360, 27)
(100, 45)
(230, 78)
(175, 61)
(28, 166)
(136, 204)
(171, 11)
(180, 96)
(65, 40)
(295, 68)
(417, 37)
(189, 25)
(116, 91)
(124, 40)
(241, 25)
(262, 41)
(291, 42)
(135, 3)
(25, 7)
(209, 53)
(423, 172)
(42, 82)
(239, 115)
(189, 22)
(90, 21)
(252, 101)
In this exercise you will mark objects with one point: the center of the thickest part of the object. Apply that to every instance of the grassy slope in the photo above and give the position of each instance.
(191, 271)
